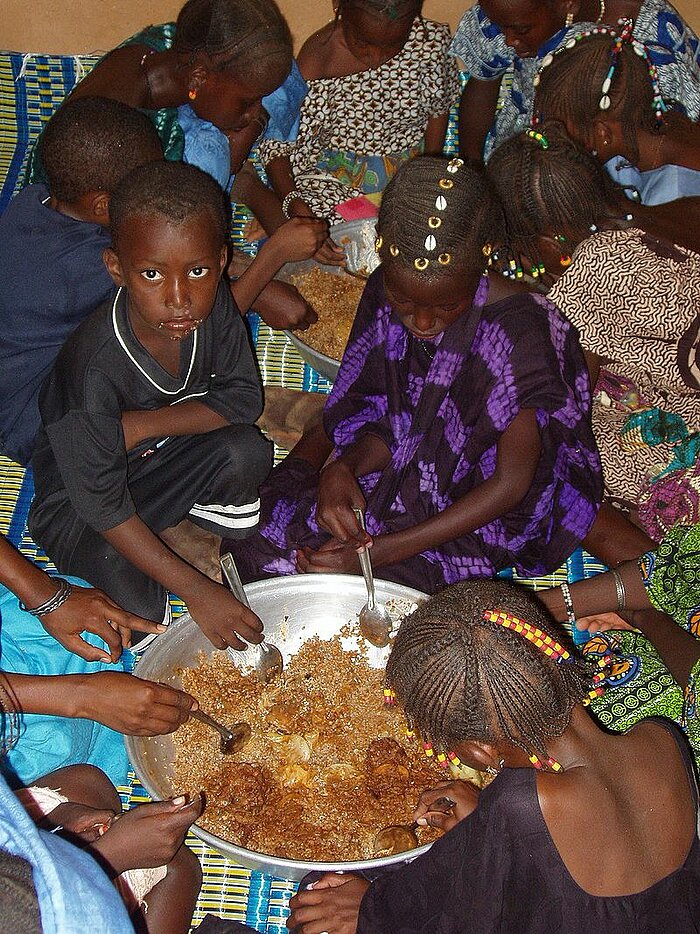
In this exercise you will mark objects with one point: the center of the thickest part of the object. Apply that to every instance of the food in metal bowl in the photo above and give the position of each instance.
(327, 766)
(334, 298)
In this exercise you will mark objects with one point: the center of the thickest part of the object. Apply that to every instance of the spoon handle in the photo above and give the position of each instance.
(233, 578)
(365, 561)
(205, 718)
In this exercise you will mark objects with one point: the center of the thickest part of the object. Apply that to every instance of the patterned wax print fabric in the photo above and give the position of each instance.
(639, 684)
(356, 130)
(635, 301)
(480, 45)
(441, 417)
(499, 871)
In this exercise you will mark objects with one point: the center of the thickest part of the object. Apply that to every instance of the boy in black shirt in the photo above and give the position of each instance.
(148, 415)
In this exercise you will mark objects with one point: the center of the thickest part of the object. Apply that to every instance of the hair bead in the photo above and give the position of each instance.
(421, 263)
(446, 183)
(445, 259)
(440, 203)
(393, 249)
(434, 222)
(378, 244)
(430, 243)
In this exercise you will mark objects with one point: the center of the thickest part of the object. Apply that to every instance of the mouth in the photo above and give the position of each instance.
(425, 335)
(180, 327)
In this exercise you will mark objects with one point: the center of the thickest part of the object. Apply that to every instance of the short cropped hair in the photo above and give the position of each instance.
(91, 143)
(461, 677)
(172, 190)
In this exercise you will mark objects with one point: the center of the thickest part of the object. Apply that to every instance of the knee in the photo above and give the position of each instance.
(249, 451)
(85, 784)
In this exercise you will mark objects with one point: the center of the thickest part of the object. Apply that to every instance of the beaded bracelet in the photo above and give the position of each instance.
(568, 603)
(619, 590)
(287, 201)
(63, 591)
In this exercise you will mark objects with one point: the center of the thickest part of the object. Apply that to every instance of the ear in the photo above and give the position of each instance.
(200, 71)
(479, 755)
(111, 261)
(99, 205)
(223, 259)
(602, 135)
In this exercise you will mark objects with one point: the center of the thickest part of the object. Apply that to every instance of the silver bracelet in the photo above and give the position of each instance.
(63, 591)
(568, 603)
(619, 590)
(287, 201)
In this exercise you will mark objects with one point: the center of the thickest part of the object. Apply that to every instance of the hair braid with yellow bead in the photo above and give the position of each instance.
(436, 217)
(482, 661)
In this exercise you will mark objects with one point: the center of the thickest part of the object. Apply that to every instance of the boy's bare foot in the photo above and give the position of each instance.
(196, 546)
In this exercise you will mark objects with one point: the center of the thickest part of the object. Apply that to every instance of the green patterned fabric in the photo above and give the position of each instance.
(639, 685)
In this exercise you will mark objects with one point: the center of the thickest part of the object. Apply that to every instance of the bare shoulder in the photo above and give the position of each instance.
(316, 53)
(118, 76)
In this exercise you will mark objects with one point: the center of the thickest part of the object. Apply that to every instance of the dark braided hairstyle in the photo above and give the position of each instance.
(545, 191)
(470, 218)
(461, 677)
(175, 191)
(570, 89)
(91, 143)
(392, 9)
(235, 34)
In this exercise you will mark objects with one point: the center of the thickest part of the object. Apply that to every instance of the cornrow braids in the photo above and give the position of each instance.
(461, 676)
(435, 217)
(549, 189)
(570, 88)
(233, 33)
(175, 191)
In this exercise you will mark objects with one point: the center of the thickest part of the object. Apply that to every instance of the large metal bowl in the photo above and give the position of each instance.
(293, 610)
(357, 238)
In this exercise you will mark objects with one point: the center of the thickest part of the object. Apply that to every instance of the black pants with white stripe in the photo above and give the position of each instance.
(212, 479)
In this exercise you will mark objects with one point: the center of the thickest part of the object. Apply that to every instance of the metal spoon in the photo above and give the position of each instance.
(375, 622)
(264, 657)
(397, 838)
(233, 739)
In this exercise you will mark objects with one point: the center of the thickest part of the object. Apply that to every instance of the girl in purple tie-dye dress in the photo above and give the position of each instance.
(460, 416)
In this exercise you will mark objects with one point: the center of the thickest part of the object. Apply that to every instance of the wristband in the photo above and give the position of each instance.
(619, 590)
(287, 201)
(53, 603)
(569, 604)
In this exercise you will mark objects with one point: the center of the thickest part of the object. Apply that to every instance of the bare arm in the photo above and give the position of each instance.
(187, 418)
(85, 610)
(262, 201)
(434, 140)
(120, 701)
(218, 614)
(477, 111)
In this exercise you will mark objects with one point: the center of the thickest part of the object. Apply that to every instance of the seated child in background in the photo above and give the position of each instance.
(51, 244)
(634, 298)
(141, 850)
(460, 415)
(474, 677)
(380, 86)
(652, 151)
(502, 43)
(148, 415)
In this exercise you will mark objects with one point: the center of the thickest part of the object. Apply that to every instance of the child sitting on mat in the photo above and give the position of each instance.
(148, 415)
(483, 673)
(380, 87)
(460, 415)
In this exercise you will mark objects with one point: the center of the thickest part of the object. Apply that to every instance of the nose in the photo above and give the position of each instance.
(423, 319)
(178, 296)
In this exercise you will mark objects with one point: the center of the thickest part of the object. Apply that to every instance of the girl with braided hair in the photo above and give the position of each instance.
(502, 43)
(632, 288)
(380, 89)
(622, 114)
(482, 672)
(460, 414)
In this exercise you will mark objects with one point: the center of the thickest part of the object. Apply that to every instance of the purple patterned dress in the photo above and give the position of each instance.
(441, 417)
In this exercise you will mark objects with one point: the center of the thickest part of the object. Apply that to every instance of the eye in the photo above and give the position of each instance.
(152, 275)
(199, 272)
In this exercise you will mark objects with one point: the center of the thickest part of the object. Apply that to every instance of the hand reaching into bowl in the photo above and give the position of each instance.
(332, 904)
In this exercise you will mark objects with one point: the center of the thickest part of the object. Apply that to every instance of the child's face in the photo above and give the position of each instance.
(171, 272)
(372, 37)
(230, 101)
(427, 309)
(526, 24)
